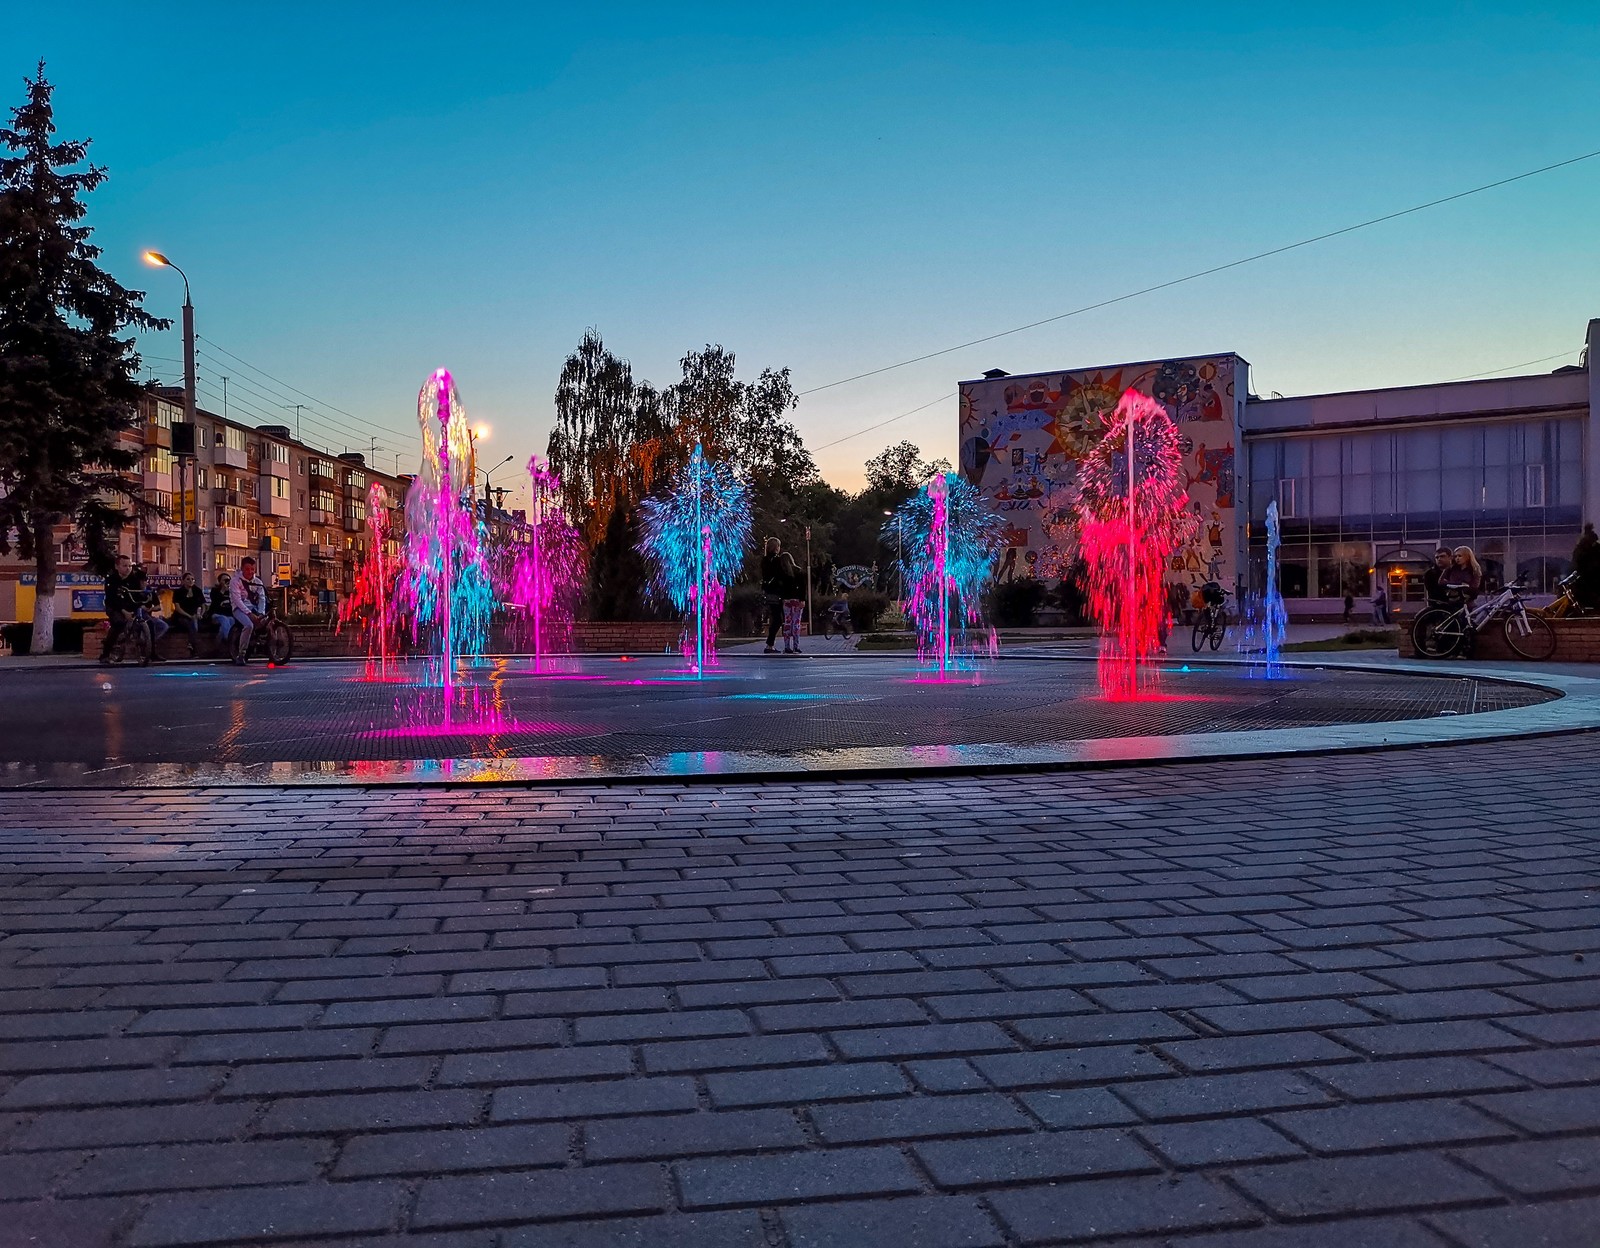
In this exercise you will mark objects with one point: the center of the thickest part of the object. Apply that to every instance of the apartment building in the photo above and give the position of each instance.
(248, 490)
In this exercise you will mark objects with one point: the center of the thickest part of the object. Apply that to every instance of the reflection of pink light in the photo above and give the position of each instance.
(486, 729)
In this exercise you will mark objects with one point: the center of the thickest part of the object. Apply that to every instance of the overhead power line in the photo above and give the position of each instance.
(1559, 355)
(321, 403)
(882, 423)
(1220, 268)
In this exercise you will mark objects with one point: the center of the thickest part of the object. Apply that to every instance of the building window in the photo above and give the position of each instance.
(358, 481)
(1535, 474)
(322, 500)
(201, 476)
(279, 453)
(231, 438)
(301, 465)
(162, 417)
(280, 487)
(160, 460)
(1286, 498)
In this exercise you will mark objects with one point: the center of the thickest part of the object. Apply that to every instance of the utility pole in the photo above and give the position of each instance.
(297, 407)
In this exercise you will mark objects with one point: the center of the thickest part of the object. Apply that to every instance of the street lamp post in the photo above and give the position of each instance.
(161, 262)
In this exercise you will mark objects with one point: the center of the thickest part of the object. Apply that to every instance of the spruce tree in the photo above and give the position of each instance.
(68, 379)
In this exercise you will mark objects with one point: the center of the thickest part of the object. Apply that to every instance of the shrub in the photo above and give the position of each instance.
(744, 614)
(866, 605)
(1015, 604)
(67, 639)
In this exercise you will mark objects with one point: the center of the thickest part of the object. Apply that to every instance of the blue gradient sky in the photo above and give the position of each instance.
(361, 193)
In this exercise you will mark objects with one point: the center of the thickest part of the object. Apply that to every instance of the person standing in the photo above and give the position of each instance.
(188, 605)
(793, 604)
(1349, 606)
(1586, 563)
(773, 588)
(1380, 606)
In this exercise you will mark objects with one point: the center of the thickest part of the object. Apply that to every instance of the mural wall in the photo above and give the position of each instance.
(1022, 439)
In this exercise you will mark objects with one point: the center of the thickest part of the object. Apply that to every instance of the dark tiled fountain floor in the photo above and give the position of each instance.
(604, 717)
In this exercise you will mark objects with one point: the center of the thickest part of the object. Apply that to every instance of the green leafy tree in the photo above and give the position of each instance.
(68, 377)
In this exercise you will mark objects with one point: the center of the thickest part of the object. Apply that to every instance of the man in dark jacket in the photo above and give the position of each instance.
(1433, 578)
(120, 603)
(774, 588)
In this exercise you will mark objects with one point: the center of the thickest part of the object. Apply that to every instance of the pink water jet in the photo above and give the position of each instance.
(1132, 515)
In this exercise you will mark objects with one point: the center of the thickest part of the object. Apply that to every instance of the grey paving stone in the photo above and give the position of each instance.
(593, 1099)
(1044, 1155)
(1390, 1124)
(686, 1135)
(255, 1213)
(1559, 1224)
(915, 1222)
(722, 1229)
(1098, 1209)
(164, 1168)
(1218, 1141)
(1333, 1186)
(1546, 1111)
(788, 1177)
(540, 1195)
(440, 1152)
(907, 1118)
(800, 1085)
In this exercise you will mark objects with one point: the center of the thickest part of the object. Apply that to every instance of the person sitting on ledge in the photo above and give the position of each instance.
(1465, 577)
(1433, 578)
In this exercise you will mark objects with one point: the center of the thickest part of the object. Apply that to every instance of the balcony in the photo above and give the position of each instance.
(230, 457)
(156, 526)
(319, 516)
(269, 504)
(158, 435)
(229, 536)
(156, 481)
(324, 554)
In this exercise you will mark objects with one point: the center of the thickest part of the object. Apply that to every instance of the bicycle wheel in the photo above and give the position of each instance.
(1219, 629)
(280, 644)
(1437, 633)
(1198, 637)
(140, 643)
(1537, 642)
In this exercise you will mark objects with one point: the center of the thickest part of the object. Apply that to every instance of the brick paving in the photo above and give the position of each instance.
(1310, 1002)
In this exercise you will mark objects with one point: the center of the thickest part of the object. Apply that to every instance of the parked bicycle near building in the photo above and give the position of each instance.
(1451, 629)
(1211, 626)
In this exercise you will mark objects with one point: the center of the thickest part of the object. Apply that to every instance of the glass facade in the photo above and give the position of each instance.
(1365, 506)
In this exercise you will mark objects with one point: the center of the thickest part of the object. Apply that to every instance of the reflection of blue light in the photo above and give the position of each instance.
(1184, 668)
(784, 697)
(194, 673)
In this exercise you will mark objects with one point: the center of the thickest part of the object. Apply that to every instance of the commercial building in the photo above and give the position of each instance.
(1368, 482)
(300, 511)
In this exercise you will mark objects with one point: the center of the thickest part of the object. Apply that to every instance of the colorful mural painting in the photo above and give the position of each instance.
(1024, 437)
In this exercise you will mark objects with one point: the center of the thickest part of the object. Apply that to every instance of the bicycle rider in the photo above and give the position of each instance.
(120, 604)
(248, 598)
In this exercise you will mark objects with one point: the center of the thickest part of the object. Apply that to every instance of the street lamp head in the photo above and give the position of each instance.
(157, 259)
(481, 431)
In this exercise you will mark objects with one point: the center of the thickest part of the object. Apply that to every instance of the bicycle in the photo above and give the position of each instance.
(1445, 630)
(1566, 602)
(137, 641)
(271, 639)
(1211, 626)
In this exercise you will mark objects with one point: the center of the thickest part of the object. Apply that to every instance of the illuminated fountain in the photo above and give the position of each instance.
(1275, 622)
(447, 585)
(1131, 517)
(693, 538)
(547, 571)
(950, 541)
(372, 605)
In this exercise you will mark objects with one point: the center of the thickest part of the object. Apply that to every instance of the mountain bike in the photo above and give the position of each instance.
(271, 639)
(1446, 630)
(137, 641)
(1566, 602)
(1211, 626)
